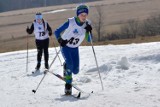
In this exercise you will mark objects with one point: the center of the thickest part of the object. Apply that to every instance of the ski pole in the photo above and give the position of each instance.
(54, 59)
(56, 51)
(96, 60)
(27, 56)
(34, 91)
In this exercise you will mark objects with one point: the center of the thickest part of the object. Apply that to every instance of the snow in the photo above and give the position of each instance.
(57, 11)
(130, 74)
(123, 63)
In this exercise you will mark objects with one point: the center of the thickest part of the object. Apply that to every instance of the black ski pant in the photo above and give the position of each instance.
(42, 46)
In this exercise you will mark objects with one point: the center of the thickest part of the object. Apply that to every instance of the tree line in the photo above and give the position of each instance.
(132, 28)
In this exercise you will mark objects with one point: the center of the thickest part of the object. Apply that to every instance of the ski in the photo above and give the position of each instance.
(77, 96)
(36, 73)
(33, 72)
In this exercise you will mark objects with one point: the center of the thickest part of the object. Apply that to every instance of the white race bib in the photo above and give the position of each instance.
(74, 34)
(40, 32)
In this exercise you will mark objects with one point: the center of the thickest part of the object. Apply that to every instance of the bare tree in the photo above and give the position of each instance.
(131, 29)
(151, 26)
(134, 28)
(98, 23)
(125, 33)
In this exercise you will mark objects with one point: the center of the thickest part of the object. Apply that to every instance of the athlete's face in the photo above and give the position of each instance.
(83, 17)
(39, 21)
(38, 18)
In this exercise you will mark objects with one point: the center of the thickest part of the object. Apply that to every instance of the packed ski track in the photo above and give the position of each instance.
(130, 74)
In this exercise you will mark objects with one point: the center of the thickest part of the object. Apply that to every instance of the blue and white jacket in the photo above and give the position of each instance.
(73, 31)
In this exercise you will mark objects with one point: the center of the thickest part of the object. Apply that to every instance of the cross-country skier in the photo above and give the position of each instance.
(42, 31)
(70, 35)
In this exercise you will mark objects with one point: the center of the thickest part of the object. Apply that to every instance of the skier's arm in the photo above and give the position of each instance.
(30, 30)
(61, 29)
(49, 29)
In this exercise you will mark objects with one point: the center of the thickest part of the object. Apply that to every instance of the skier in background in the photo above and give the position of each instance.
(42, 31)
(70, 35)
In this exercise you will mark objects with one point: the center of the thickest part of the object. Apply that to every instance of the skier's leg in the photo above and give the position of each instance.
(68, 86)
(39, 53)
(75, 58)
(68, 68)
(64, 69)
(46, 55)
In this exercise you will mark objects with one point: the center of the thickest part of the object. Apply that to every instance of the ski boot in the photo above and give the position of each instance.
(68, 89)
(46, 66)
(38, 66)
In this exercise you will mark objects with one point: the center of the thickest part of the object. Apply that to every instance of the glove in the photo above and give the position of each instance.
(88, 28)
(28, 30)
(62, 42)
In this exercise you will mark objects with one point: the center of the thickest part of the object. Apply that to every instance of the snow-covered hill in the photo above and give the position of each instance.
(130, 73)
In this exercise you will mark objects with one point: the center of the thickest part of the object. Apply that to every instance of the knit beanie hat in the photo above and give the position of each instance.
(82, 8)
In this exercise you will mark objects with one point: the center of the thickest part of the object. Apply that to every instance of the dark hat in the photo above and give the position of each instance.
(82, 8)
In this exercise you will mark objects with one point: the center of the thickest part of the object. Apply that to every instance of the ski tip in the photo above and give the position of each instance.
(79, 95)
